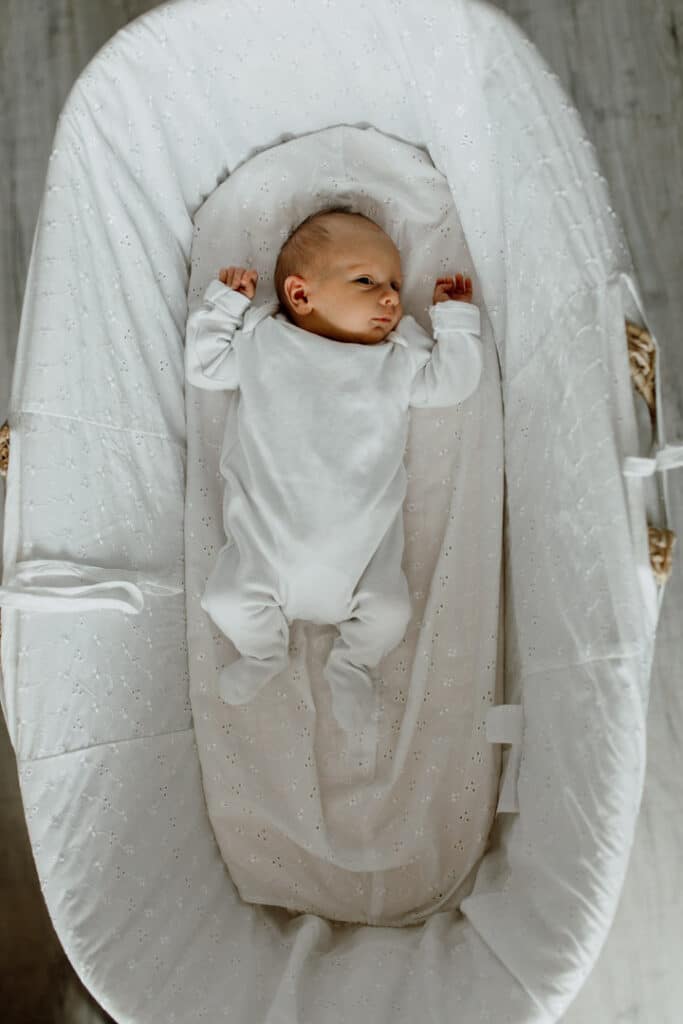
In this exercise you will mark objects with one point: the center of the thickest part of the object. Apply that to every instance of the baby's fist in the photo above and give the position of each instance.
(240, 280)
(458, 289)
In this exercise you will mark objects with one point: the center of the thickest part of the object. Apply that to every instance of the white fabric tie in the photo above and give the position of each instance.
(505, 724)
(669, 457)
(57, 586)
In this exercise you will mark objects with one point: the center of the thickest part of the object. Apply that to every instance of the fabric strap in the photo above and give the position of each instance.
(669, 457)
(505, 724)
(58, 586)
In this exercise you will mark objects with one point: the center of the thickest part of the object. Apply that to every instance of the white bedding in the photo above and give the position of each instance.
(103, 708)
(386, 826)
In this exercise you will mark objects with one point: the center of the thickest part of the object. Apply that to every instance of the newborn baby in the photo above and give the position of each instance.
(315, 482)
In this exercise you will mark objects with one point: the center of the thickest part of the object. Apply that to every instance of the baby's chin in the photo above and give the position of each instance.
(377, 334)
(371, 338)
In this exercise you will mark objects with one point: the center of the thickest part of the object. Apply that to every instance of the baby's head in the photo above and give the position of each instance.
(337, 274)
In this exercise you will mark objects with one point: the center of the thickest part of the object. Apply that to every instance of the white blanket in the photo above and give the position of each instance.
(385, 826)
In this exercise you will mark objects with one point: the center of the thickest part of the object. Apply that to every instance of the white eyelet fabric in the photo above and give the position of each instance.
(383, 826)
(103, 709)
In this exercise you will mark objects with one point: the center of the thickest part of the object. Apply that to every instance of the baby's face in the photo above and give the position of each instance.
(357, 296)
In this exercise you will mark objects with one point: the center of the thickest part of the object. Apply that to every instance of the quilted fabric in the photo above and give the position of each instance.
(98, 703)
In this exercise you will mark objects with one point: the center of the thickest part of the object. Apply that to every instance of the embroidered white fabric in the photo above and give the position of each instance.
(98, 702)
(384, 825)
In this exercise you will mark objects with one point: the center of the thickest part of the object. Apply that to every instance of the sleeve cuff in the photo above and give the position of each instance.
(226, 298)
(455, 315)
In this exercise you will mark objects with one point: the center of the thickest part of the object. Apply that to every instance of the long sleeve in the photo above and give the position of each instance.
(210, 357)
(453, 370)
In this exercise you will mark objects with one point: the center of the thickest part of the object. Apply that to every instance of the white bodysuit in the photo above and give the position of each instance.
(315, 482)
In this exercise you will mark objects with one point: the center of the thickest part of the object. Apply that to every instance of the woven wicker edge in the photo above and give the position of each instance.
(4, 449)
(642, 356)
(662, 543)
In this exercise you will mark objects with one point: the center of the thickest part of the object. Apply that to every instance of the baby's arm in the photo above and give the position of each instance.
(453, 370)
(210, 357)
(452, 373)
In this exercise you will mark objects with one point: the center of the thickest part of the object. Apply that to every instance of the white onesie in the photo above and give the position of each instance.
(315, 481)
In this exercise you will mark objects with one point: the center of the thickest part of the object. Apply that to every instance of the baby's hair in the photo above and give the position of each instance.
(304, 251)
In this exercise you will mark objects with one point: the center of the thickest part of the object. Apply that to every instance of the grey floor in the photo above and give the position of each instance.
(622, 63)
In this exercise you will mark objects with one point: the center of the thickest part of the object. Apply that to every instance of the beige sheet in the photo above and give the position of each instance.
(390, 829)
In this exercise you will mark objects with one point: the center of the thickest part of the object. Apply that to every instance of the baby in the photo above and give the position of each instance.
(315, 483)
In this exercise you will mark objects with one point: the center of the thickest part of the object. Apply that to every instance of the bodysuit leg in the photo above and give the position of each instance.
(379, 616)
(241, 598)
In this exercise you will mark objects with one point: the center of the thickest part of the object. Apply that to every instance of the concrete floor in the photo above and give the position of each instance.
(622, 63)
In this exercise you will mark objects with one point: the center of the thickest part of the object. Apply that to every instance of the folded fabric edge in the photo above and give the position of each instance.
(53, 585)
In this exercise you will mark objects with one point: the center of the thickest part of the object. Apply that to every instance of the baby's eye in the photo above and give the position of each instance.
(366, 278)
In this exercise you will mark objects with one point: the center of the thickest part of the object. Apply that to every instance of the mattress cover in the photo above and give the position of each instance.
(386, 825)
(97, 701)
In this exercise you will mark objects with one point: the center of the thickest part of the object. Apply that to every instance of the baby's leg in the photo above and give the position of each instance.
(380, 613)
(248, 611)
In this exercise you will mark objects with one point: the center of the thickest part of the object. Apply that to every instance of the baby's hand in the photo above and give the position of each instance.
(239, 279)
(453, 288)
